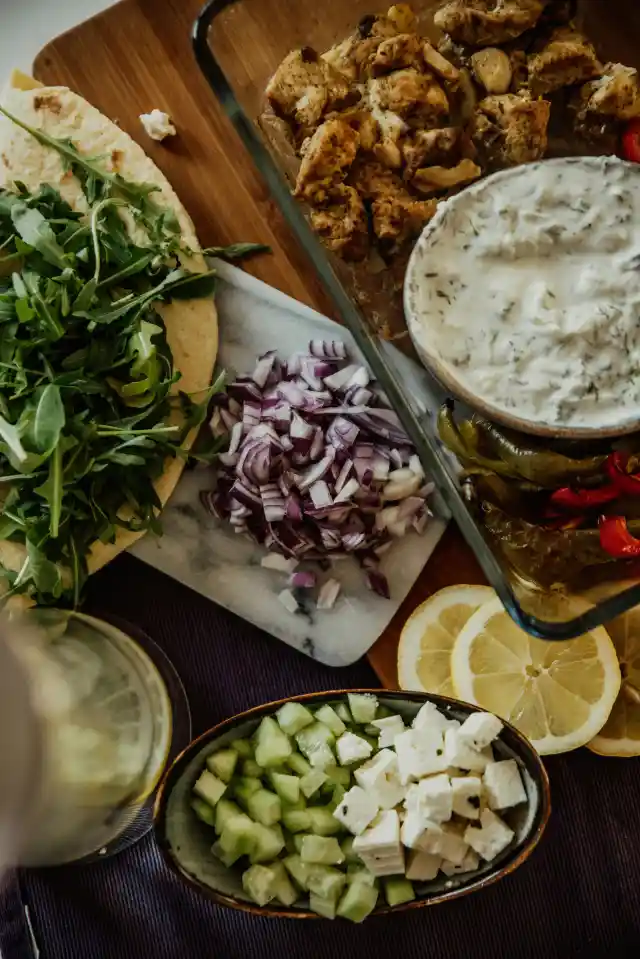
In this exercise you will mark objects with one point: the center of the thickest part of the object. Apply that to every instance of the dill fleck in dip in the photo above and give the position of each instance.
(527, 285)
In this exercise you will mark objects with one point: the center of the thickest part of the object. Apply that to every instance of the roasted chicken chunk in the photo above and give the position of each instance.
(326, 157)
(353, 57)
(342, 223)
(437, 179)
(395, 214)
(410, 94)
(480, 23)
(431, 147)
(396, 53)
(509, 129)
(567, 58)
(615, 94)
(305, 87)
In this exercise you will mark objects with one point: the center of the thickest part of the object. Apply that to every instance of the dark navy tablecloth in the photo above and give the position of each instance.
(579, 895)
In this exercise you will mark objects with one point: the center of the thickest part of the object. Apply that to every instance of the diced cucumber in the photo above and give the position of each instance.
(226, 858)
(325, 881)
(245, 787)
(315, 742)
(327, 715)
(250, 768)
(296, 820)
(323, 822)
(287, 787)
(289, 845)
(337, 796)
(285, 892)
(238, 836)
(361, 874)
(297, 870)
(292, 717)
(350, 856)
(297, 842)
(383, 712)
(209, 787)
(259, 884)
(326, 790)
(397, 890)
(223, 763)
(269, 842)
(323, 907)
(243, 748)
(299, 764)
(265, 807)
(322, 849)
(272, 745)
(226, 811)
(342, 710)
(358, 902)
(311, 783)
(363, 707)
(204, 811)
(339, 775)
(300, 804)
(372, 731)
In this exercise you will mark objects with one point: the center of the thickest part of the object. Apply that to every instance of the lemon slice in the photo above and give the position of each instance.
(558, 694)
(427, 638)
(620, 735)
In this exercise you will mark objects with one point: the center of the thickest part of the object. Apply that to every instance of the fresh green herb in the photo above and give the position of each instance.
(237, 251)
(87, 382)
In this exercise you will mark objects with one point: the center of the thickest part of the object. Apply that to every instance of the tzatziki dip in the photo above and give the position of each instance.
(526, 286)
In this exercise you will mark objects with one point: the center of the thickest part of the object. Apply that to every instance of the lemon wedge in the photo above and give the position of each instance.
(427, 638)
(620, 735)
(558, 694)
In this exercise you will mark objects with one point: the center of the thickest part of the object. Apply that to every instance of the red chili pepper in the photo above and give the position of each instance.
(631, 141)
(615, 538)
(627, 483)
(567, 498)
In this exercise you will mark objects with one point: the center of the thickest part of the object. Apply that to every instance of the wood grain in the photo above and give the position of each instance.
(137, 56)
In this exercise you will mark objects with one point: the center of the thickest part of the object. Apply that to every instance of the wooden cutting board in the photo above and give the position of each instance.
(137, 56)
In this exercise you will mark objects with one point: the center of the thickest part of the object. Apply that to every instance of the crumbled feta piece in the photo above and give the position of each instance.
(433, 798)
(385, 865)
(490, 838)
(480, 729)
(469, 864)
(422, 866)
(382, 838)
(419, 754)
(389, 728)
(351, 748)
(414, 827)
(380, 776)
(446, 841)
(406, 753)
(465, 796)
(357, 810)
(430, 717)
(157, 125)
(503, 785)
(459, 754)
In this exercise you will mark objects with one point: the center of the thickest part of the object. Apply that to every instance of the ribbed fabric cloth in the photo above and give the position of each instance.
(578, 896)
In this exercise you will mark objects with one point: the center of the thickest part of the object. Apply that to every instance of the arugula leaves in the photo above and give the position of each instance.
(86, 373)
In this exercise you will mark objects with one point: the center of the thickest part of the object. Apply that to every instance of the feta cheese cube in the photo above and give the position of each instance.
(414, 827)
(422, 866)
(380, 775)
(420, 753)
(389, 728)
(445, 841)
(157, 124)
(385, 865)
(351, 748)
(503, 785)
(459, 754)
(480, 729)
(357, 810)
(491, 837)
(469, 864)
(433, 798)
(382, 838)
(407, 756)
(465, 796)
(430, 717)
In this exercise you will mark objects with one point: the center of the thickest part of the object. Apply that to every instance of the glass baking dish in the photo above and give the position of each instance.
(238, 45)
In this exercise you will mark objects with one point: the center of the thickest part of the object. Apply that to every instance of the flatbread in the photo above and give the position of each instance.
(192, 327)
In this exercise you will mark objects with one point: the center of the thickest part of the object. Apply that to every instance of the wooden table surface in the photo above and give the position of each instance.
(137, 56)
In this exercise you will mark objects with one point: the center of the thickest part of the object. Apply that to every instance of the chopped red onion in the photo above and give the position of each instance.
(328, 594)
(348, 490)
(328, 349)
(341, 378)
(319, 493)
(302, 580)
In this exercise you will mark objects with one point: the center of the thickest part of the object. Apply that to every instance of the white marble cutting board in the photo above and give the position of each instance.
(208, 556)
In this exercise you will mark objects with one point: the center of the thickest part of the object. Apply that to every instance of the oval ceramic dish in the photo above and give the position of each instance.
(462, 208)
(185, 842)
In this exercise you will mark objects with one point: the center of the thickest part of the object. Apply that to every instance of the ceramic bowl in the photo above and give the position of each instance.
(185, 842)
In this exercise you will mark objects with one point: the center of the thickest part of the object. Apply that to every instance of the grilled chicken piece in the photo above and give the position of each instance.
(396, 53)
(439, 64)
(615, 94)
(305, 87)
(436, 179)
(402, 17)
(395, 213)
(388, 153)
(353, 56)
(431, 147)
(342, 223)
(326, 157)
(508, 130)
(480, 23)
(410, 93)
(567, 58)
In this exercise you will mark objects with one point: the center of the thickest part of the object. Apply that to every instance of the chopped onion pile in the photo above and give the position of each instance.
(318, 467)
